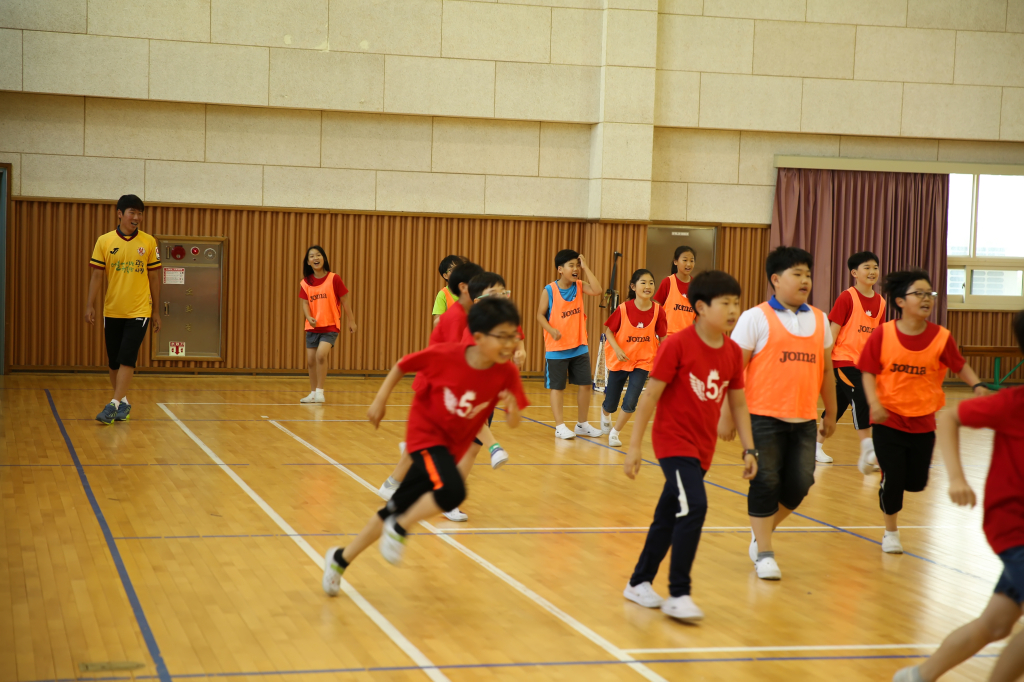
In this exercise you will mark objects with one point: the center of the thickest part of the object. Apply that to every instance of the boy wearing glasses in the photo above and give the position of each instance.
(903, 366)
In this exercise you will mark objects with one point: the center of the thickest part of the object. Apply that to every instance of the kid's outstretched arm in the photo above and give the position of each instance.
(949, 444)
(379, 405)
(644, 410)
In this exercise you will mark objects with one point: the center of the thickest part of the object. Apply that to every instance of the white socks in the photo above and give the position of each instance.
(115, 402)
(319, 393)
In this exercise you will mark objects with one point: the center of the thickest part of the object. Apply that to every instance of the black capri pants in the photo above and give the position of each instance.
(433, 470)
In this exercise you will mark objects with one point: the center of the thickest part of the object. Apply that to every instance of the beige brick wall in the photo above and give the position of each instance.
(624, 109)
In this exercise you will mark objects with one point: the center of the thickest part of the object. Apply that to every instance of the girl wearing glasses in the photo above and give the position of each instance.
(904, 364)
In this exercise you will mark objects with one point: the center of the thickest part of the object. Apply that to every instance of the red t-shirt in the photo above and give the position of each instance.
(339, 290)
(454, 400)
(661, 295)
(450, 327)
(639, 318)
(842, 310)
(1004, 488)
(870, 362)
(686, 421)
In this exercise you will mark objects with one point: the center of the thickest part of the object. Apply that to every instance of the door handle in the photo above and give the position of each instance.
(167, 307)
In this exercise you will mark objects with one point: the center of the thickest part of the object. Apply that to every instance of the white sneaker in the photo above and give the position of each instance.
(911, 674)
(682, 608)
(456, 515)
(752, 552)
(614, 440)
(498, 457)
(767, 569)
(867, 453)
(891, 543)
(643, 594)
(606, 424)
(387, 489)
(332, 573)
(392, 544)
(562, 431)
(820, 456)
(309, 398)
(318, 398)
(585, 429)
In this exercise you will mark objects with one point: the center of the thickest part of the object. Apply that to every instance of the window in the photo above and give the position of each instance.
(985, 242)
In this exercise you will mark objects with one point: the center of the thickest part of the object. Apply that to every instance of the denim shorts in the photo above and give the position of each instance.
(1011, 582)
(616, 382)
(785, 468)
(313, 339)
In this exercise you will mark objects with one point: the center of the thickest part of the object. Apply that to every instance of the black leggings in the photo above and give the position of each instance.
(434, 471)
(904, 459)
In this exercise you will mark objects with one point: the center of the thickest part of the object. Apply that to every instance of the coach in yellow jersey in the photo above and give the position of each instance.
(132, 262)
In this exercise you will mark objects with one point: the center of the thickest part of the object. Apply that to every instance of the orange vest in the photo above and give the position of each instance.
(568, 318)
(323, 304)
(449, 298)
(911, 381)
(678, 310)
(784, 379)
(854, 334)
(639, 344)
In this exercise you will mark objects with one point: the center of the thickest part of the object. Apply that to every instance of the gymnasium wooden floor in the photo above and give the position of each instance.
(190, 539)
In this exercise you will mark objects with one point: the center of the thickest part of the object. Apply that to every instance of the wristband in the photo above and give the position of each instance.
(755, 453)
(980, 383)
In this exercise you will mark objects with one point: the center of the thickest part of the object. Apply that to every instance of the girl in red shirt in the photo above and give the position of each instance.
(323, 296)
(671, 294)
(903, 366)
(633, 332)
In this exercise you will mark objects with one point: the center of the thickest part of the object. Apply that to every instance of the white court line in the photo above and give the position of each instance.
(756, 649)
(579, 627)
(366, 607)
(786, 528)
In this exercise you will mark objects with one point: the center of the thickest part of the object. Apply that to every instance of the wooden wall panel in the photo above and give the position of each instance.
(742, 252)
(388, 262)
(984, 328)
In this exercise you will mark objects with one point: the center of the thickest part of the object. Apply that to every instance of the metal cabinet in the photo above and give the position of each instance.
(662, 241)
(192, 298)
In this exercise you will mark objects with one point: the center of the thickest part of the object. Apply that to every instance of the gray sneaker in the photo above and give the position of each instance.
(123, 412)
(107, 415)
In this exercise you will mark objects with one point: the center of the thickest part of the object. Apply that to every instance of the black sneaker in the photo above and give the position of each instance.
(107, 415)
(123, 411)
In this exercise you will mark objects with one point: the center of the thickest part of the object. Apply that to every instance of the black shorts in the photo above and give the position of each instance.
(850, 393)
(489, 420)
(432, 470)
(576, 370)
(123, 336)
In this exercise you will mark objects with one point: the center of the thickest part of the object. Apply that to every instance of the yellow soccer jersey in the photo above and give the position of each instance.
(127, 261)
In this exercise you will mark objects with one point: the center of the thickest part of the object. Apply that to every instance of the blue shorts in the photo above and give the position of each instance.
(1011, 582)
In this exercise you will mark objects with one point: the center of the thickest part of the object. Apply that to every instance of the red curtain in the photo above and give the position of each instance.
(833, 214)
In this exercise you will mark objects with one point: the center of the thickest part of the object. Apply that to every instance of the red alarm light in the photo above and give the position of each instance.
(195, 250)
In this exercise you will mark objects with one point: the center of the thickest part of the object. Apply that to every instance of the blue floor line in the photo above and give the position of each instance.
(526, 664)
(140, 617)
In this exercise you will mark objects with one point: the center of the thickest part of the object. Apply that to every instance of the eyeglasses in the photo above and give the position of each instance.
(505, 294)
(922, 295)
(507, 339)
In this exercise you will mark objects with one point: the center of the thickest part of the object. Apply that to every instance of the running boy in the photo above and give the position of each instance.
(567, 358)
(786, 346)
(445, 297)
(323, 296)
(904, 364)
(856, 313)
(672, 292)
(693, 372)
(633, 332)
(1004, 528)
(461, 384)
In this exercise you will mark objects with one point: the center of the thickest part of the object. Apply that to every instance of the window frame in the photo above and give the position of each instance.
(972, 262)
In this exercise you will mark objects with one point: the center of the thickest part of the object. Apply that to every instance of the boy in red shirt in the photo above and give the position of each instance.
(692, 373)
(460, 384)
(856, 313)
(1004, 528)
(904, 364)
